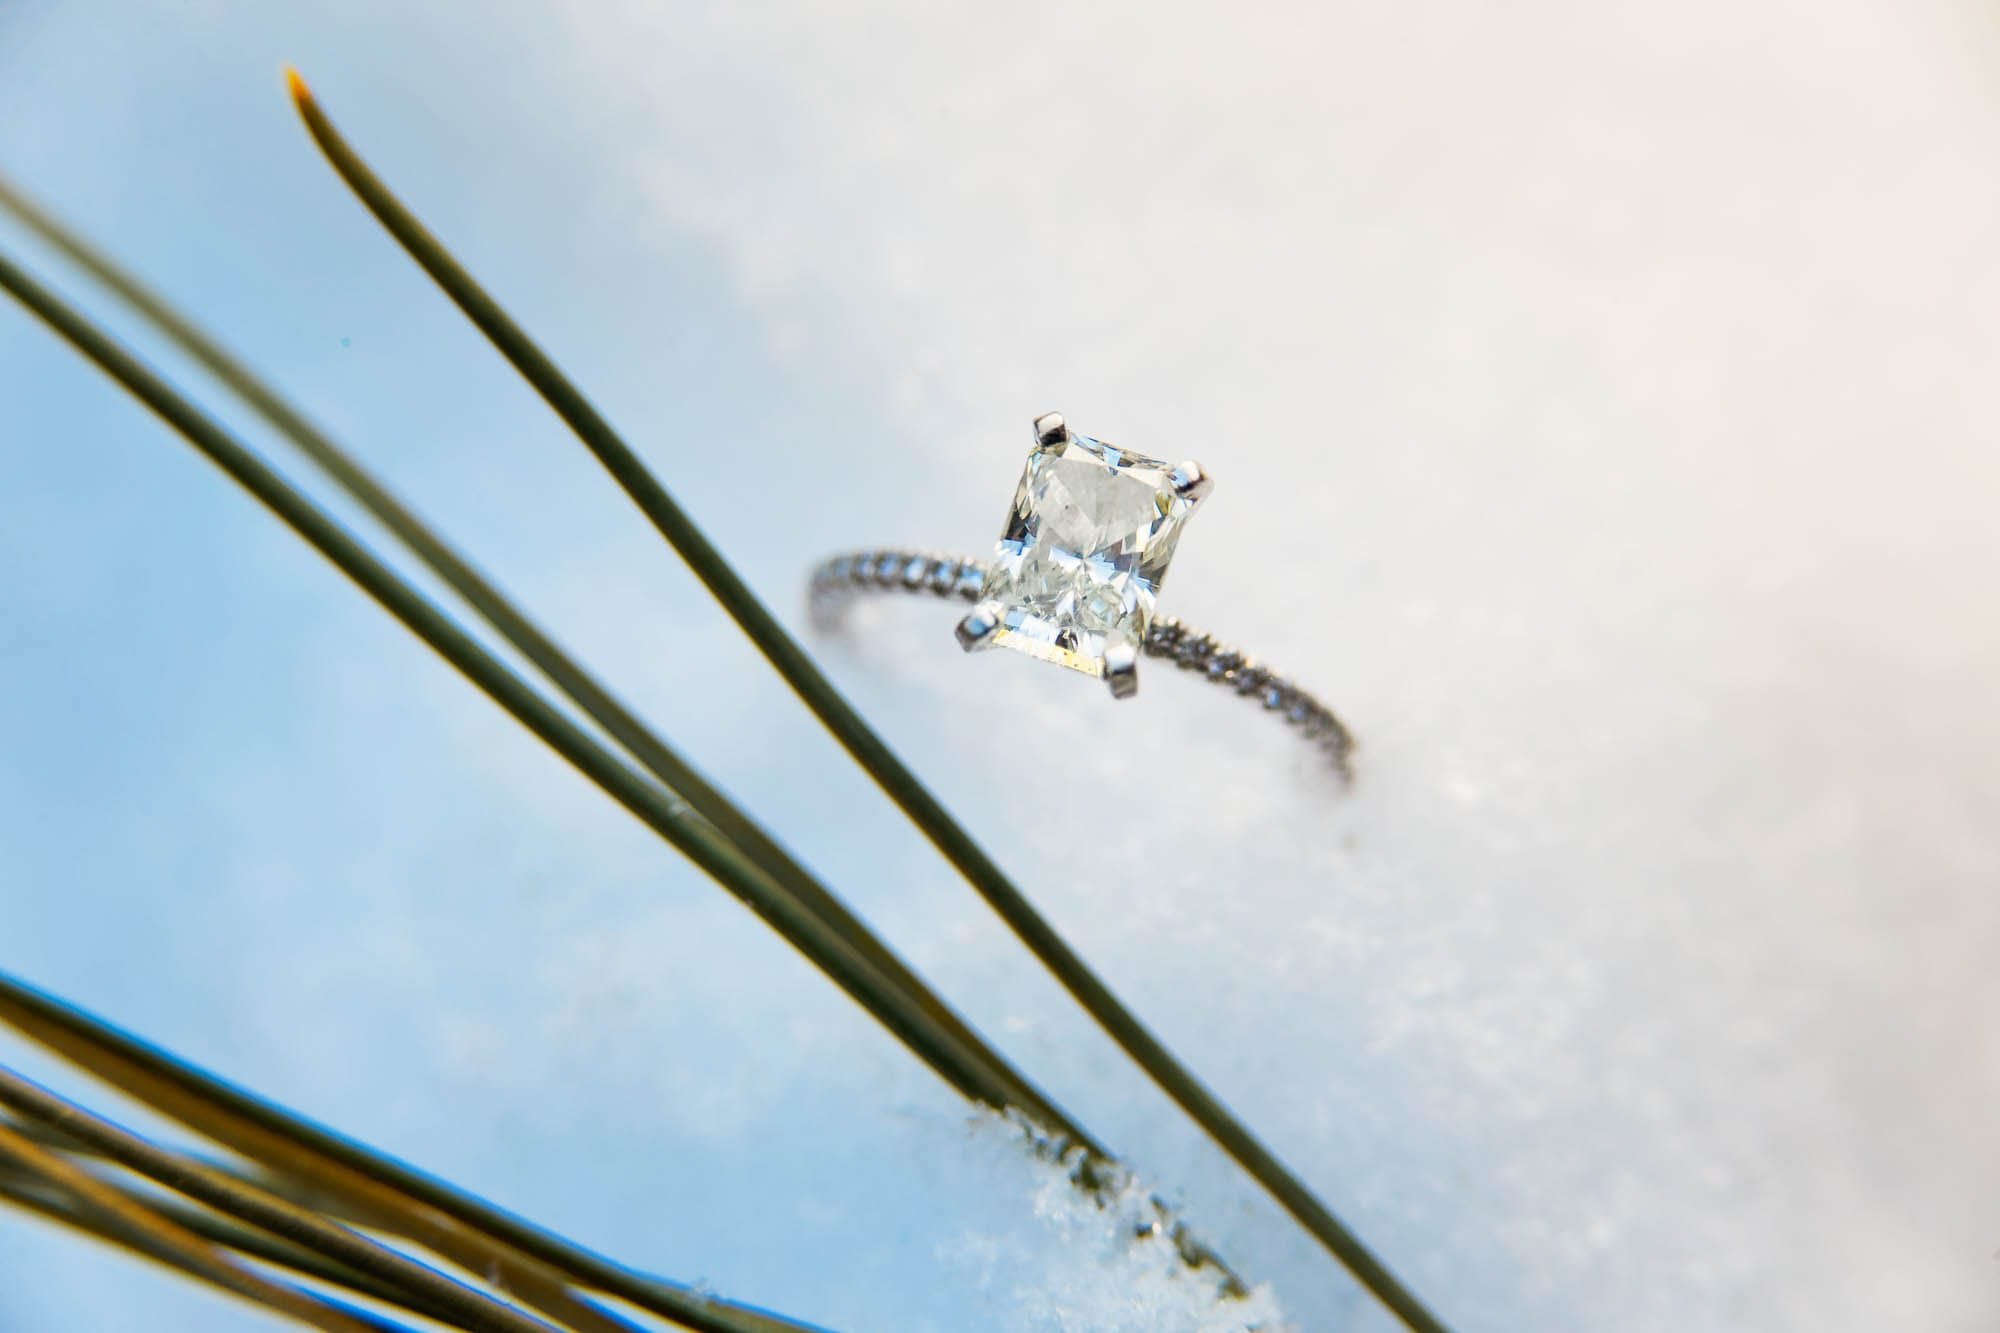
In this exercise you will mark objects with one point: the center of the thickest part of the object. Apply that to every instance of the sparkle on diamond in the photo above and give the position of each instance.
(1085, 549)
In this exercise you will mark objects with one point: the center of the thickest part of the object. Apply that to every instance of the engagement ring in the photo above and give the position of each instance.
(1075, 574)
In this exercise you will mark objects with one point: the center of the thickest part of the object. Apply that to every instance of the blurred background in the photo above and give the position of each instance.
(1603, 403)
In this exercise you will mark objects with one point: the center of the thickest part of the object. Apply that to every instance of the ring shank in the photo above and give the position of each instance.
(894, 569)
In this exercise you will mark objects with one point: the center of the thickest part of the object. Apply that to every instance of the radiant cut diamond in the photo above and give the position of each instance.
(1085, 549)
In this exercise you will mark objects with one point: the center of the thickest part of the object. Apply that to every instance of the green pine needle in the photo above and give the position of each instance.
(867, 748)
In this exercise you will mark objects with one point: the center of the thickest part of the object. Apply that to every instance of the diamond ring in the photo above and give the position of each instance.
(1074, 578)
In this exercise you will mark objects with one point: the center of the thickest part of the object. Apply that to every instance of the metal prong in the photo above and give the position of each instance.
(976, 630)
(1190, 482)
(1050, 429)
(1121, 669)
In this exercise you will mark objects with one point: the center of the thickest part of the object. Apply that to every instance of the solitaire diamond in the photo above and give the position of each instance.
(1085, 549)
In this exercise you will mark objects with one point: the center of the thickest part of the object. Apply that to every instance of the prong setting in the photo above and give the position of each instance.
(977, 629)
(1121, 668)
(1191, 482)
(1051, 429)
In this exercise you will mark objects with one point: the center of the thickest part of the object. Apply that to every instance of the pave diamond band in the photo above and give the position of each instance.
(836, 581)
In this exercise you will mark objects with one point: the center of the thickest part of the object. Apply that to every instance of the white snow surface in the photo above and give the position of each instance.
(1603, 404)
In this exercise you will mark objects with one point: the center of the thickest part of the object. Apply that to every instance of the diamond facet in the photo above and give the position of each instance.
(1084, 552)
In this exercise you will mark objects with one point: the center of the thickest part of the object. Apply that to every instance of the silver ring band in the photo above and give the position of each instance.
(892, 569)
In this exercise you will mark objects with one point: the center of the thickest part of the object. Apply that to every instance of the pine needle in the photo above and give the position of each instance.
(896, 780)
(541, 1268)
(147, 1231)
(1050, 1131)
